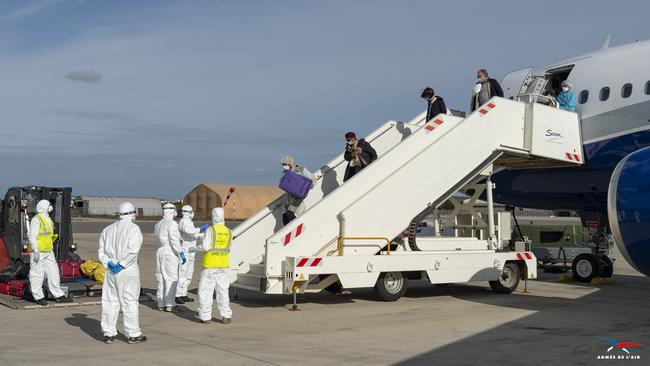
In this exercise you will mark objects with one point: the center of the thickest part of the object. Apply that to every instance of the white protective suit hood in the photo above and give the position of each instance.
(126, 211)
(43, 207)
(217, 215)
(187, 212)
(169, 211)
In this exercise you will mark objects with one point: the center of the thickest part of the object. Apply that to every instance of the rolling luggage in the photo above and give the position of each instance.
(19, 288)
(76, 289)
(70, 268)
(48, 294)
(84, 287)
(295, 184)
(4, 288)
(93, 289)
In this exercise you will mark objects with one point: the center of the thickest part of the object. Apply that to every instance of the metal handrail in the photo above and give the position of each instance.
(340, 245)
(536, 98)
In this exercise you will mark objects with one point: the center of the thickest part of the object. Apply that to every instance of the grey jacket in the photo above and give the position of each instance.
(291, 202)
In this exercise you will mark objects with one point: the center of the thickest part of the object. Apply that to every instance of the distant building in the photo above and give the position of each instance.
(244, 202)
(101, 206)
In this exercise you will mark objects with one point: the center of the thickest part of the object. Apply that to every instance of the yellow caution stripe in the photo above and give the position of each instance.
(602, 281)
(594, 281)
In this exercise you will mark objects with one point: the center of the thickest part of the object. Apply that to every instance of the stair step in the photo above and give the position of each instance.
(248, 279)
(258, 269)
(245, 287)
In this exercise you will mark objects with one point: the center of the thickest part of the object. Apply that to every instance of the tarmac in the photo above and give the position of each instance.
(555, 323)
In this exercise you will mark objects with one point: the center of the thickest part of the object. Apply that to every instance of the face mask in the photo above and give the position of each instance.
(130, 216)
(565, 89)
(285, 167)
(350, 143)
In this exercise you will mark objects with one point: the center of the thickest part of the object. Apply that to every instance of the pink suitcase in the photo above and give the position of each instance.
(4, 288)
(70, 268)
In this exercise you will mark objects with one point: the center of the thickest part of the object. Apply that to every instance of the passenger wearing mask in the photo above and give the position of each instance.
(189, 235)
(119, 245)
(216, 269)
(293, 206)
(567, 98)
(42, 262)
(358, 153)
(169, 257)
(435, 104)
(485, 89)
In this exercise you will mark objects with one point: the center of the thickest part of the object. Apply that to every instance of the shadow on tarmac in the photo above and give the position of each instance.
(558, 330)
(90, 326)
(185, 313)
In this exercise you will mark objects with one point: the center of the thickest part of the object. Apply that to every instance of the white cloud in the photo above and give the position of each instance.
(37, 8)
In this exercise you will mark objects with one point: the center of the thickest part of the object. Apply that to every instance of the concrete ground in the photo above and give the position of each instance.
(555, 323)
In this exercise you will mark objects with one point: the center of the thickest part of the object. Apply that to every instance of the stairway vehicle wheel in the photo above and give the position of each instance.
(335, 288)
(391, 285)
(585, 267)
(508, 279)
(607, 266)
(21, 269)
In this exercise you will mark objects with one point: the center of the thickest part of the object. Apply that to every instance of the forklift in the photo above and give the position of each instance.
(16, 209)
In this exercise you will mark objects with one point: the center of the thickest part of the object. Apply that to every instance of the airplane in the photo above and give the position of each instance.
(611, 191)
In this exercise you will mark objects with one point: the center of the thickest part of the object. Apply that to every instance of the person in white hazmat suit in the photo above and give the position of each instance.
(169, 257)
(216, 269)
(189, 235)
(42, 262)
(119, 245)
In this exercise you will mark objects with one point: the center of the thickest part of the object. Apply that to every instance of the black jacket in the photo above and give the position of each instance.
(368, 154)
(495, 91)
(435, 108)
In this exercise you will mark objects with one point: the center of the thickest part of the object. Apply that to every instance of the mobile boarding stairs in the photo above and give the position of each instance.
(352, 235)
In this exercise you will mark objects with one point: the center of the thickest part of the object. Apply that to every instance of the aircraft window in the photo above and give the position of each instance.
(627, 90)
(584, 96)
(604, 93)
(647, 87)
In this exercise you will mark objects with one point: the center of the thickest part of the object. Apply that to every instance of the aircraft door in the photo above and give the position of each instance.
(516, 82)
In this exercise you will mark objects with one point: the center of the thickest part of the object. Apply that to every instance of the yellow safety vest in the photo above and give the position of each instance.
(218, 255)
(46, 236)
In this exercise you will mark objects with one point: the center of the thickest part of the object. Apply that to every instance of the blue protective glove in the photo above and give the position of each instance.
(115, 267)
(203, 227)
(183, 257)
(36, 256)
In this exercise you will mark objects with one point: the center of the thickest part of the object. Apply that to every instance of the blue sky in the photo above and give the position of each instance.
(154, 97)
